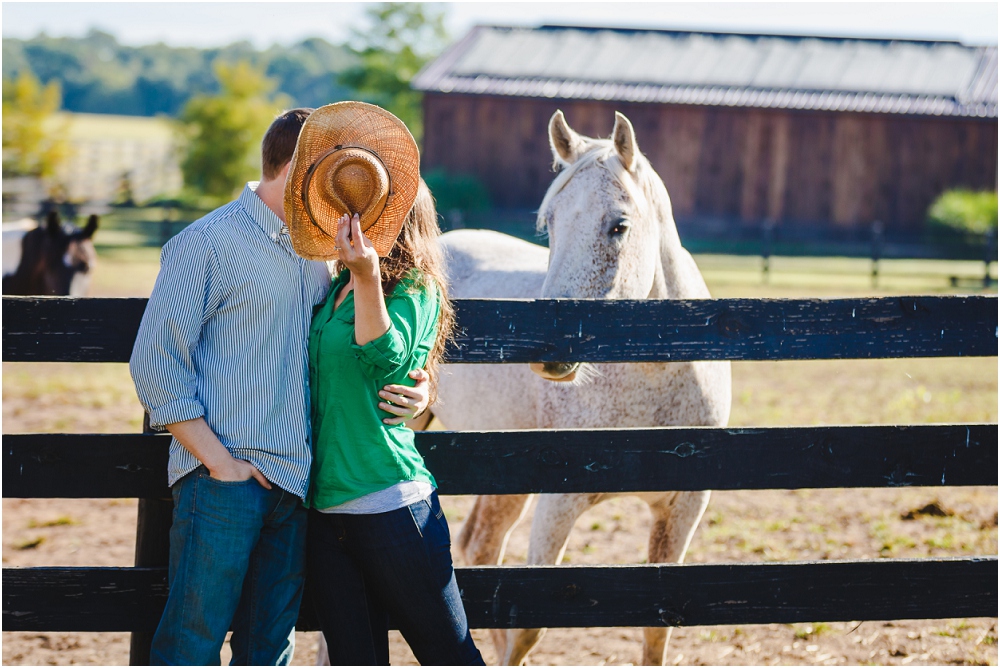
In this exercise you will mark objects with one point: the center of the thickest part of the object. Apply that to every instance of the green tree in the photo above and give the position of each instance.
(34, 142)
(399, 40)
(222, 132)
(964, 211)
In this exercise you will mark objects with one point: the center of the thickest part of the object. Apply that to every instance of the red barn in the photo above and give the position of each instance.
(811, 132)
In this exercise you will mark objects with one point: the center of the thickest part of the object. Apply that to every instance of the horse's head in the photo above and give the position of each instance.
(604, 214)
(67, 257)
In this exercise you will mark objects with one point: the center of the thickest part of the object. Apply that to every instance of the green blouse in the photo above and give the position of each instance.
(354, 452)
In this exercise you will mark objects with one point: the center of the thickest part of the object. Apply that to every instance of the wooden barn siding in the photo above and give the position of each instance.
(844, 169)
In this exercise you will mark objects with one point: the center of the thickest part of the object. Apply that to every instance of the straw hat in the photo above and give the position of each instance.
(351, 157)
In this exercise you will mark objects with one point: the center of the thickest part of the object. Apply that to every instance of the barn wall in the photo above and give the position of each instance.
(734, 164)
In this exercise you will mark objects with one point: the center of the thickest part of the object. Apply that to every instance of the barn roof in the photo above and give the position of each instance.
(728, 69)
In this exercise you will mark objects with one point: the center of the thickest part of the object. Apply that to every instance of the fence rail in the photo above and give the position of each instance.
(567, 461)
(59, 329)
(131, 599)
(555, 461)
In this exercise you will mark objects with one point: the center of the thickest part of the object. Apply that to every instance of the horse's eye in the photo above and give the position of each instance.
(619, 228)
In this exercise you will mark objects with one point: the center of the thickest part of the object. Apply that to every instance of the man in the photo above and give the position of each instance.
(221, 360)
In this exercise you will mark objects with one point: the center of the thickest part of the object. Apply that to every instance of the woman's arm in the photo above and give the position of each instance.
(371, 320)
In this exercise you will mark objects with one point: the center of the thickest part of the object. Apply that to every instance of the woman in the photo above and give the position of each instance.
(379, 544)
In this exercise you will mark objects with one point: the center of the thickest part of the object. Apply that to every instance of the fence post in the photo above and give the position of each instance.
(152, 549)
(989, 254)
(767, 239)
(877, 239)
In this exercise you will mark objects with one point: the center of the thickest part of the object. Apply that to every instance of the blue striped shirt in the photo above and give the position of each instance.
(225, 337)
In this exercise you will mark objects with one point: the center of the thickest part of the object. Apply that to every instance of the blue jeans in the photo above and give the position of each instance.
(365, 569)
(237, 558)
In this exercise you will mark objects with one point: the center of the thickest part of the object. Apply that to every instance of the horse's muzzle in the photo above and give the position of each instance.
(559, 372)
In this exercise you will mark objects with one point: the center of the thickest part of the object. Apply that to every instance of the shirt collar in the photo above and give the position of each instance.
(260, 212)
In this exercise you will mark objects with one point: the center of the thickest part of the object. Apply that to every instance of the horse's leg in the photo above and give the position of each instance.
(484, 535)
(675, 517)
(554, 517)
(483, 539)
(322, 652)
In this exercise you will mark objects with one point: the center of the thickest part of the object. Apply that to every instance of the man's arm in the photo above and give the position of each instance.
(185, 296)
(199, 439)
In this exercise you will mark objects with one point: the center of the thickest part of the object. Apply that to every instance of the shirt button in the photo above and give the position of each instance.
(274, 237)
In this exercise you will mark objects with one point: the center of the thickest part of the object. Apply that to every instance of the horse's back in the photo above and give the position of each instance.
(13, 237)
(487, 264)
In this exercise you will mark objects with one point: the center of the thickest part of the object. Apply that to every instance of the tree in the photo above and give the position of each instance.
(34, 143)
(964, 211)
(400, 39)
(222, 132)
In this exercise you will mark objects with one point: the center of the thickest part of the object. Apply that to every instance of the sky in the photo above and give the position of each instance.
(265, 23)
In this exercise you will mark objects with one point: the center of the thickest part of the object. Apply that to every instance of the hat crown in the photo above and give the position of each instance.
(355, 181)
(350, 157)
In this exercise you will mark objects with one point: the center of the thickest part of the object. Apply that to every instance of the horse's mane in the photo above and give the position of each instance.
(601, 152)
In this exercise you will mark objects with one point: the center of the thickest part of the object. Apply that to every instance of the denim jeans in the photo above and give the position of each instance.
(237, 558)
(366, 569)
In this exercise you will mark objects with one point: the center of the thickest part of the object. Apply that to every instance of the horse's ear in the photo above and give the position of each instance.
(623, 137)
(53, 225)
(566, 144)
(91, 227)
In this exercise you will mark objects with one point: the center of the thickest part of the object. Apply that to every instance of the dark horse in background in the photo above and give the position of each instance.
(54, 259)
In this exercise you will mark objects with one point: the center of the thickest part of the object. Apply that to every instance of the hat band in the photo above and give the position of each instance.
(312, 170)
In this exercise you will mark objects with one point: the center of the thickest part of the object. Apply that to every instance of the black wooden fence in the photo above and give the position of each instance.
(134, 465)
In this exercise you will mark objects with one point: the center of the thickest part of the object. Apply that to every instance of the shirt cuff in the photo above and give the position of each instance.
(176, 411)
(385, 353)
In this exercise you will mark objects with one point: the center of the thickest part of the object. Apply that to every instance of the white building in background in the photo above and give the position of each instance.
(107, 149)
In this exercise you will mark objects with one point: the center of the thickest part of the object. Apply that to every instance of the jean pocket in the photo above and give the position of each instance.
(437, 512)
(226, 502)
(229, 483)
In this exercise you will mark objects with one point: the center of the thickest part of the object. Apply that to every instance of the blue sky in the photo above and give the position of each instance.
(217, 23)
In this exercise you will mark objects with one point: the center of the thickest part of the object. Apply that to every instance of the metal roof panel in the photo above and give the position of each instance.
(892, 76)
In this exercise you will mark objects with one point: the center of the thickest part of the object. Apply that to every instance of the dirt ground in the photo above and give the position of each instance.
(739, 526)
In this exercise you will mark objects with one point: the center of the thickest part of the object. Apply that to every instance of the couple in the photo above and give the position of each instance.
(284, 390)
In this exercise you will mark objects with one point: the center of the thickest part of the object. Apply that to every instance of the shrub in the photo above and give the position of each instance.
(462, 192)
(964, 211)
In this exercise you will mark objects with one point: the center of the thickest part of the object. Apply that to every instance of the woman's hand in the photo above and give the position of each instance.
(406, 402)
(356, 251)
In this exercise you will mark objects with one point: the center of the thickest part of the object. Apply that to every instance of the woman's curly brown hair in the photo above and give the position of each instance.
(417, 247)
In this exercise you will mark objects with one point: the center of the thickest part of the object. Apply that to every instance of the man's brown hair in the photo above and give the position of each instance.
(279, 141)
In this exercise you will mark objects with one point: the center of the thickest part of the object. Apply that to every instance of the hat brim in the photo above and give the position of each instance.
(360, 125)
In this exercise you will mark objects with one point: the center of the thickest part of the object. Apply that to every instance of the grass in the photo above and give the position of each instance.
(62, 520)
(29, 544)
(741, 276)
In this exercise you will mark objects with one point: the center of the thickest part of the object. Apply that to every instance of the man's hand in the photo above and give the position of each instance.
(406, 402)
(238, 470)
(199, 439)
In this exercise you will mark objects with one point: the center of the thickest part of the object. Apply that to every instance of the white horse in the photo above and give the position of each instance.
(611, 236)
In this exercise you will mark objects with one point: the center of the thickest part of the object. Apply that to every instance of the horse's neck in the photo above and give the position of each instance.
(677, 275)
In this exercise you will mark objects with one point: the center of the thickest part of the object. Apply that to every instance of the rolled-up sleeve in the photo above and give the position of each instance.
(410, 313)
(185, 296)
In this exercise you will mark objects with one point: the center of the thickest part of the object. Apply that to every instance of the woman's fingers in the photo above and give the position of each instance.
(356, 231)
(343, 240)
